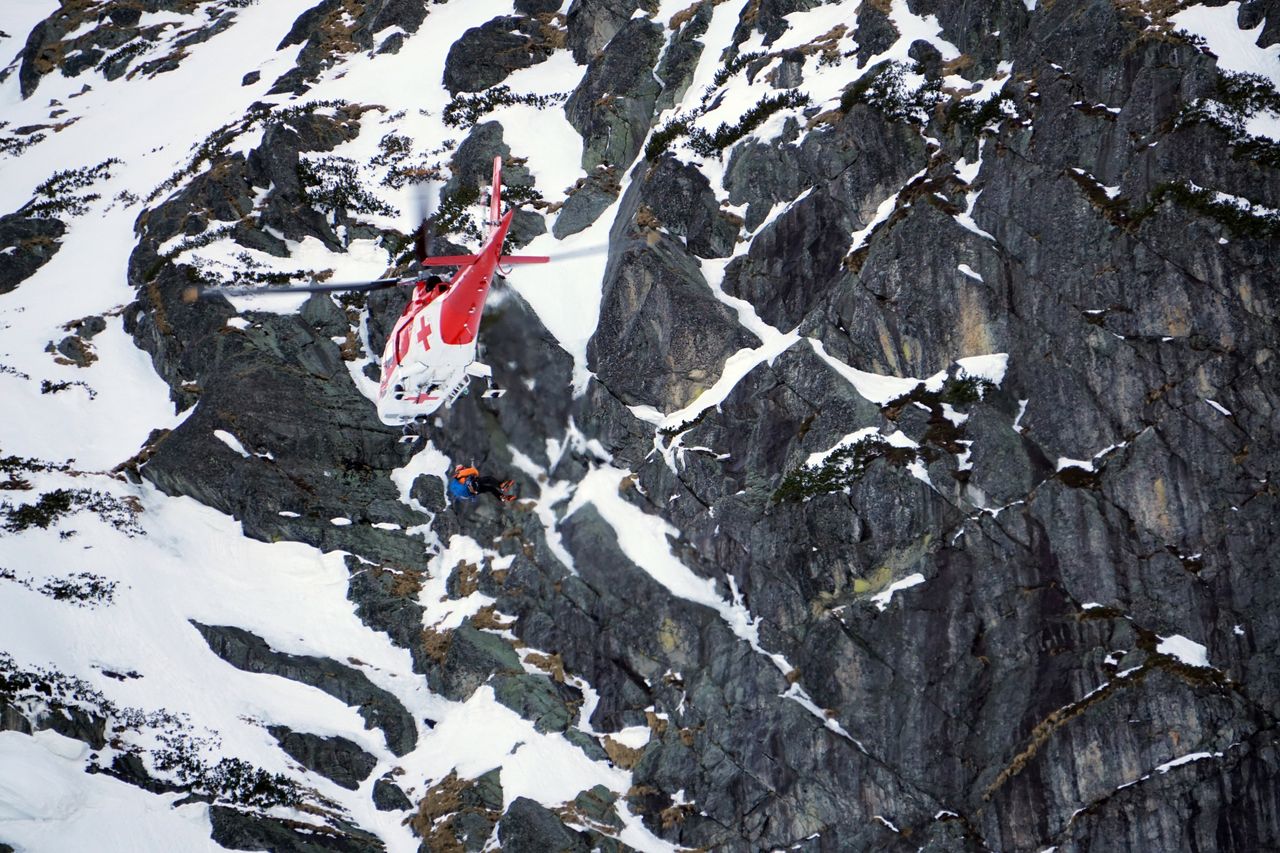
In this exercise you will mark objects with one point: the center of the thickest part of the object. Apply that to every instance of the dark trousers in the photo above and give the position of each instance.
(488, 485)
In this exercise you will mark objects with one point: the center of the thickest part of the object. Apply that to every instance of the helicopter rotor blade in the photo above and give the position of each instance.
(191, 294)
(426, 198)
(581, 252)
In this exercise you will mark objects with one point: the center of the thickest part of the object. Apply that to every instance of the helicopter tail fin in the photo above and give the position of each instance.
(495, 195)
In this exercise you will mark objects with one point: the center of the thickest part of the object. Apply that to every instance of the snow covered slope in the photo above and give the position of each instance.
(794, 567)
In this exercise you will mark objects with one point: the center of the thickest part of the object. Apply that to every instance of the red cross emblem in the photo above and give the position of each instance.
(424, 335)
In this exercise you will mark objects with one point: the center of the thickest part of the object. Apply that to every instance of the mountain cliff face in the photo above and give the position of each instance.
(897, 477)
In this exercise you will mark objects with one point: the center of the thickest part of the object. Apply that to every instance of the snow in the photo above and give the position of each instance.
(880, 390)
(545, 768)
(43, 786)
(1187, 651)
(643, 539)
(194, 564)
(231, 441)
(816, 459)
(989, 367)
(1186, 759)
(881, 600)
(967, 270)
(966, 218)
(886, 822)
(1237, 49)
(736, 367)
(1221, 409)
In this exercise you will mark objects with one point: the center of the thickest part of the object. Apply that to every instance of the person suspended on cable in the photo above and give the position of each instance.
(468, 483)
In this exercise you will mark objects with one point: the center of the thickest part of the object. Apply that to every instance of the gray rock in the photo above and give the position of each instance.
(336, 758)
(28, 243)
(326, 30)
(324, 314)
(768, 17)
(538, 7)
(528, 826)
(592, 23)
(689, 208)
(536, 698)
(591, 197)
(76, 351)
(874, 33)
(790, 73)
(472, 658)
(1255, 12)
(680, 59)
(237, 830)
(378, 707)
(389, 797)
(613, 105)
(486, 54)
(662, 336)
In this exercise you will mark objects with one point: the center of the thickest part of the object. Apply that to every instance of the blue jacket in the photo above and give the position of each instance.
(459, 491)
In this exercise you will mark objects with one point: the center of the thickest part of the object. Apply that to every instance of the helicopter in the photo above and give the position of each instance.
(430, 356)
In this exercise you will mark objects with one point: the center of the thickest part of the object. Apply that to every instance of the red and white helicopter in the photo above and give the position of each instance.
(430, 355)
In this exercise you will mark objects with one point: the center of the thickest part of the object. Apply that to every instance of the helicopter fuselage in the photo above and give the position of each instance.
(430, 355)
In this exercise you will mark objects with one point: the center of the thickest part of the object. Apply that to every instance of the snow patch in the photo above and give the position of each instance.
(881, 600)
(1188, 651)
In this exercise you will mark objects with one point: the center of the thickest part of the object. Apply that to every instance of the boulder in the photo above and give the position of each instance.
(592, 23)
(613, 105)
(389, 797)
(486, 54)
(473, 657)
(336, 758)
(238, 830)
(528, 826)
(27, 244)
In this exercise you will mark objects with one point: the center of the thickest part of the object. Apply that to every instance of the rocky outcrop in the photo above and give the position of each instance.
(472, 168)
(335, 758)
(389, 797)
(486, 54)
(67, 720)
(769, 18)
(589, 198)
(529, 826)
(613, 105)
(110, 38)
(237, 830)
(379, 708)
(26, 244)
(592, 23)
(459, 814)
(659, 324)
(689, 209)
(333, 28)
(473, 657)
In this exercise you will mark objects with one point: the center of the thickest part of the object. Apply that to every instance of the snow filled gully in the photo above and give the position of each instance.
(644, 539)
